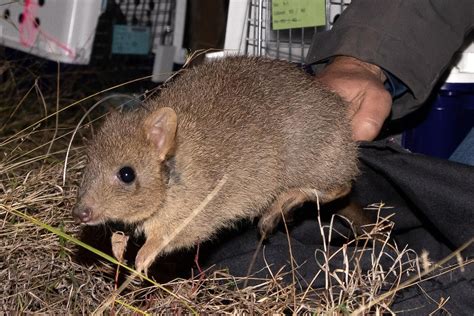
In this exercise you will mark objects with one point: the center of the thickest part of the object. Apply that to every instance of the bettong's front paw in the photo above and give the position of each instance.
(146, 255)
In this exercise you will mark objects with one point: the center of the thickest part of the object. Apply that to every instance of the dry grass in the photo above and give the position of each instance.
(38, 261)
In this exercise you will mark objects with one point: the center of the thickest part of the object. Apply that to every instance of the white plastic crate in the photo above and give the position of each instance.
(249, 30)
(59, 30)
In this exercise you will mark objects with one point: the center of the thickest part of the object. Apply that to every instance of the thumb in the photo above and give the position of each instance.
(369, 118)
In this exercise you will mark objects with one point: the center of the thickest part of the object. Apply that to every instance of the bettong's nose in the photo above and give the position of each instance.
(82, 214)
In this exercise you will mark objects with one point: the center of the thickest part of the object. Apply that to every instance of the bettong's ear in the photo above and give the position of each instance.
(160, 130)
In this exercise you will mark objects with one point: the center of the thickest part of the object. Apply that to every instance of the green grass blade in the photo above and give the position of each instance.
(107, 257)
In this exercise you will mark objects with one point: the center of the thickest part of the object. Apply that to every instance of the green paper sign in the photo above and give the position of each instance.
(288, 14)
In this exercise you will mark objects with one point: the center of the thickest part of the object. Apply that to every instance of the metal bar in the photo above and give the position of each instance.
(302, 44)
(277, 44)
(328, 15)
(142, 15)
(260, 22)
(154, 19)
(249, 21)
(290, 44)
(341, 8)
(254, 27)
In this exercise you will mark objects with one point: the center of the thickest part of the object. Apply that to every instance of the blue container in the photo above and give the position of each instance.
(449, 121)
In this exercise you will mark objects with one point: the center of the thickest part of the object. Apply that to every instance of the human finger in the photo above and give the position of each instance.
(370, 116)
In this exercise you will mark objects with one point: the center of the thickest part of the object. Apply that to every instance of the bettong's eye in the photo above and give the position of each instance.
(126, 174)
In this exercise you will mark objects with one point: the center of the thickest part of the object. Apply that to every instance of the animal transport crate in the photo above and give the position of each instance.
(251, 29)
(65, 30)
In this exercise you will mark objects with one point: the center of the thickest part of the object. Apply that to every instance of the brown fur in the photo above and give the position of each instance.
(265, 124)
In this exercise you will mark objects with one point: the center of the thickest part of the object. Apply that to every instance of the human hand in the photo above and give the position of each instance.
(360, 84)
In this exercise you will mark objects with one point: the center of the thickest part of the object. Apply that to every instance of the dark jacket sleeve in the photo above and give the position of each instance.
(414, 40)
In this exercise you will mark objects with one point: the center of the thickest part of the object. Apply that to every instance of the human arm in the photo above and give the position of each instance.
(413, 40)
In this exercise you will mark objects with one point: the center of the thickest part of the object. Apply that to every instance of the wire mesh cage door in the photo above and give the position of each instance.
(290, 44)
(158, 15)
(141, 35)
